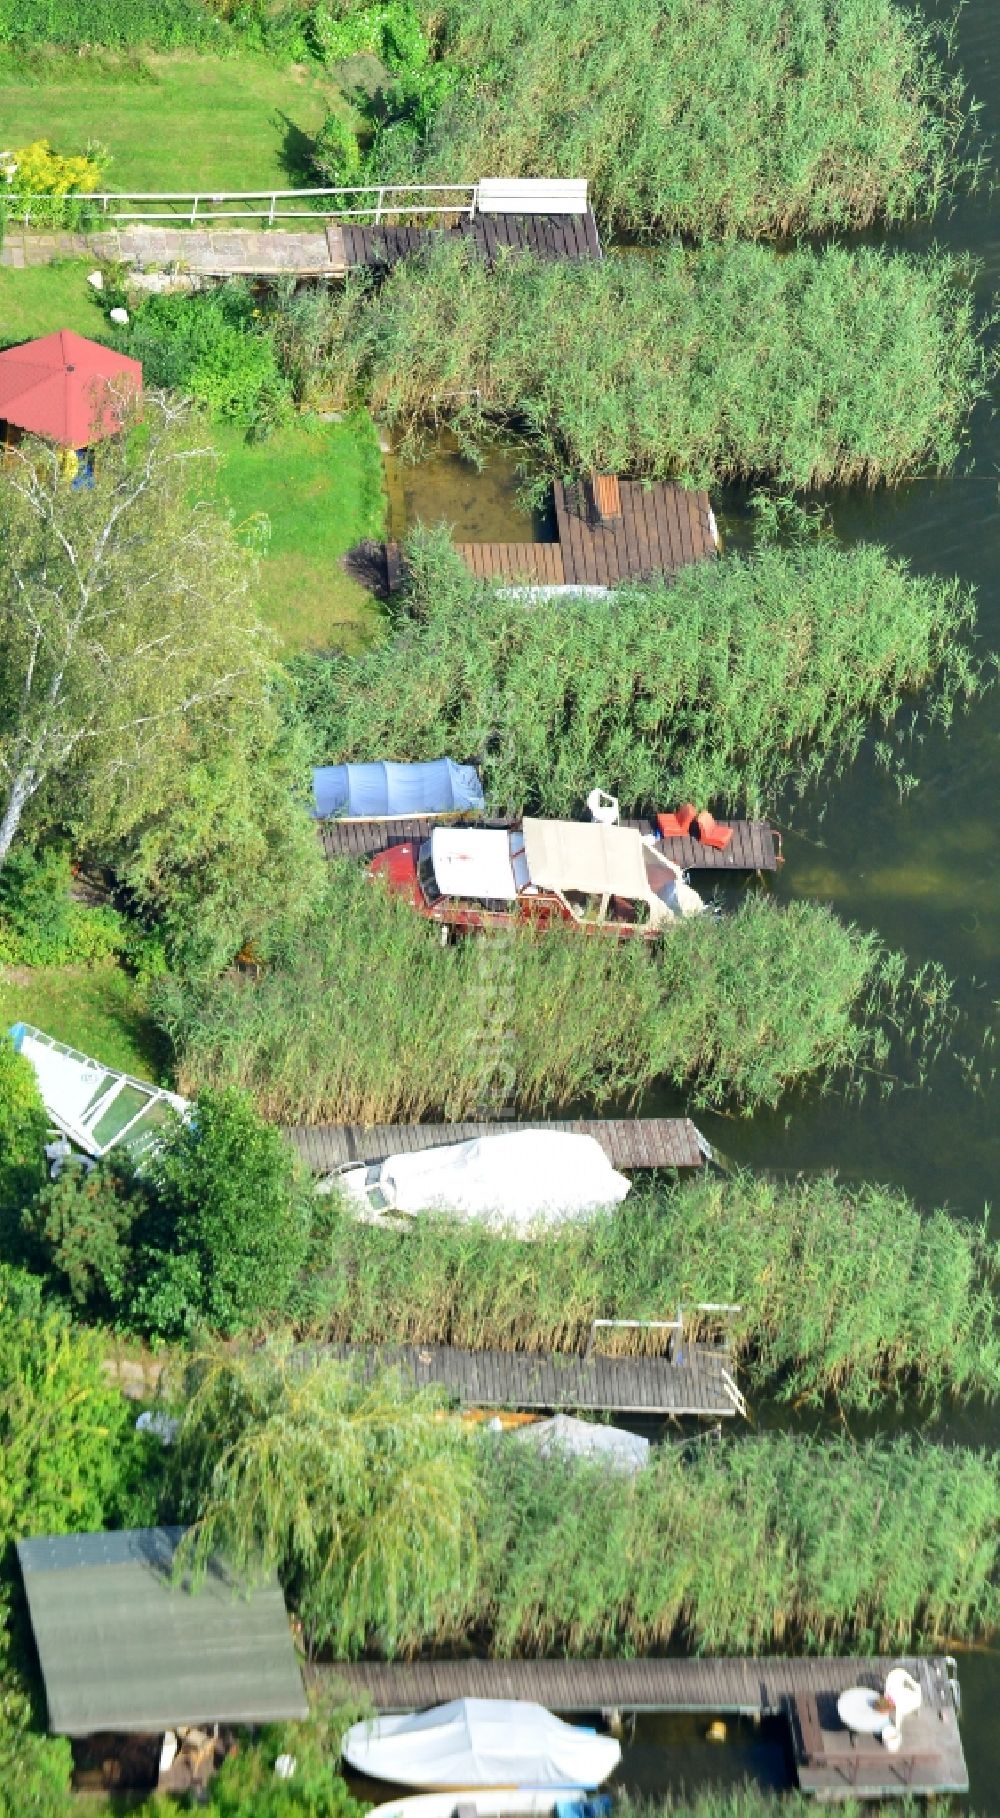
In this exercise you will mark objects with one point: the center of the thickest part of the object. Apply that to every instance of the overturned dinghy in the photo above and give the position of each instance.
(523, 1180)
(495, 1742)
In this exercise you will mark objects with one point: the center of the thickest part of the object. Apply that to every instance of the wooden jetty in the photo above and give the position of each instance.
(697, 1384)
(628, 1142)
(755, 845)
(831, 1762)
(547, 237)
(609, 530)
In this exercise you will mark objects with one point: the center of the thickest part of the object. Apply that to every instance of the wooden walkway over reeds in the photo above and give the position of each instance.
(831, 1763)
(609, 531)
(755, 846)
(699, 1384)
(628, 1142)
(547, 237)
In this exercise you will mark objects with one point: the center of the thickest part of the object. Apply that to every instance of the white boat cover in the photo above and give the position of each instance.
(478, 862)
(382, 791)
(522, 1178)
(481, 1742)
(95, 1106)
(602, 860)
(614, 1446)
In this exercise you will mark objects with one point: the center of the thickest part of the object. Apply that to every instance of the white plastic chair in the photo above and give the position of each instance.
(906, 1697)
(603, 807)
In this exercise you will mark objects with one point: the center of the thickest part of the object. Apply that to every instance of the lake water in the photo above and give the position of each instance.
(924, 872)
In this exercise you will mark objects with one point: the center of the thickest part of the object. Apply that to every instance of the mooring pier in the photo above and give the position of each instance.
(831, 1762)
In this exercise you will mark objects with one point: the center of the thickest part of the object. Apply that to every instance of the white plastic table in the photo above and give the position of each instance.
(856, 1710)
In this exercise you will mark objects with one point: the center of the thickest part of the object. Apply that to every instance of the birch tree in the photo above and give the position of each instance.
(124, 621)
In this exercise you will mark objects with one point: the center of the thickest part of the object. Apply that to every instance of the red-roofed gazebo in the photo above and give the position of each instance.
(66, 388)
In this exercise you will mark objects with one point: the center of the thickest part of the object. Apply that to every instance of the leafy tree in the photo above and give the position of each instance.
(357, 1493)
(79, 1226)
(34, 1769)
(23, 1126)
(64, 1428)
(228, 1225)
(124, 623)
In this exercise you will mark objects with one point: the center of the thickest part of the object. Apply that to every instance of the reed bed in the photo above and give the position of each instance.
(366, 1019)
(726, 362)
(701, 117)
(849, 1292)
(720, 688)
(737, 1547)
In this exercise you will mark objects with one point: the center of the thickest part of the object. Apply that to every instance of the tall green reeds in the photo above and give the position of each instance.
(367, 1019)
(718, 688)
(700, 117)
(724, 362)
(843, 1291)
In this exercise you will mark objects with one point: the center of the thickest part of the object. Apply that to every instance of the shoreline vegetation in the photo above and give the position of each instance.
(844, 1292)
(720, 686)
(851, 367)
(394, 1530)
(362, 1017)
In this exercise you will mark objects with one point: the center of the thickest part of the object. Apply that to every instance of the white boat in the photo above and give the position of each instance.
(520, 1179)
(484, 1803)
(95, 1106)
(481, 1742)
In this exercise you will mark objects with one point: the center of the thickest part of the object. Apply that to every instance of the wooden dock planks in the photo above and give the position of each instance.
(692, 1387)
(753, 847)
(632, 1142)
(830, 1764)
(537, 564)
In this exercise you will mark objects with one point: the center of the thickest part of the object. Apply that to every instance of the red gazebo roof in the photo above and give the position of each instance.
(58, 388)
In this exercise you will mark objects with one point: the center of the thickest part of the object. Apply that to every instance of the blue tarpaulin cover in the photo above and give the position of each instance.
(363, 791)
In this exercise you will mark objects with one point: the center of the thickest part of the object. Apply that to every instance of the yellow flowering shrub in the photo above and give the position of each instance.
(37, 170)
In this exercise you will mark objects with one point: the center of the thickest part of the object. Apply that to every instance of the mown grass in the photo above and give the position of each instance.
(172, 121)
(702, 116)
(43, 298)
(718, 688)
(843, 1291)
(366, 1019)
(725, 362)
(99, 1009)
(304, 497)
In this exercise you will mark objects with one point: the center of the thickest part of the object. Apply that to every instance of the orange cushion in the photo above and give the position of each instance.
(711, 833)
(676, 826)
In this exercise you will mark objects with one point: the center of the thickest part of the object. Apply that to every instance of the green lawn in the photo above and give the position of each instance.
(46, 297)
(317, 488)
(240, 122)
(96, 1008)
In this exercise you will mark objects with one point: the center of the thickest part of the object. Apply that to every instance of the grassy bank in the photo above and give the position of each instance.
(368, 1020)
(701, 117)
(845, 1291)
(718, 688)
(99, 1009)
(172, 121)
(815, 368)
(305, 497)
(43, 298)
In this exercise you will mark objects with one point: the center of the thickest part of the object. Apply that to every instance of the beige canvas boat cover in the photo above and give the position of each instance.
(599, 860)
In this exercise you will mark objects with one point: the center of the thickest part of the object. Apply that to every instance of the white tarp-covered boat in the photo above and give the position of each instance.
(385, 791)
(563, 1434)
(500, 1802)
(496, 1742)
(522, 1178)
(95, 1106)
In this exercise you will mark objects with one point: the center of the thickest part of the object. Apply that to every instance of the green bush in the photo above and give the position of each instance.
(23, 1129)
(398, 1028)
(850, 367)
(842, 1290)
(336, 153)
(718, 687)
(703, 117)
(215, 346)
(79, 1227)
(161, 25)
(41, 925)
(225, 1233)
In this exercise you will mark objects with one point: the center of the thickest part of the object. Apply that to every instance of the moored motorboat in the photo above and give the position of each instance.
(481, 1742)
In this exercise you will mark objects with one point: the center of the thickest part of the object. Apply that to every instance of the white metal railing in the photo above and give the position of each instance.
(187, 208)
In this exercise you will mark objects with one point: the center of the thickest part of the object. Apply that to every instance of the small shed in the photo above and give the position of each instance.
(124, 1646)
(67, 389)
